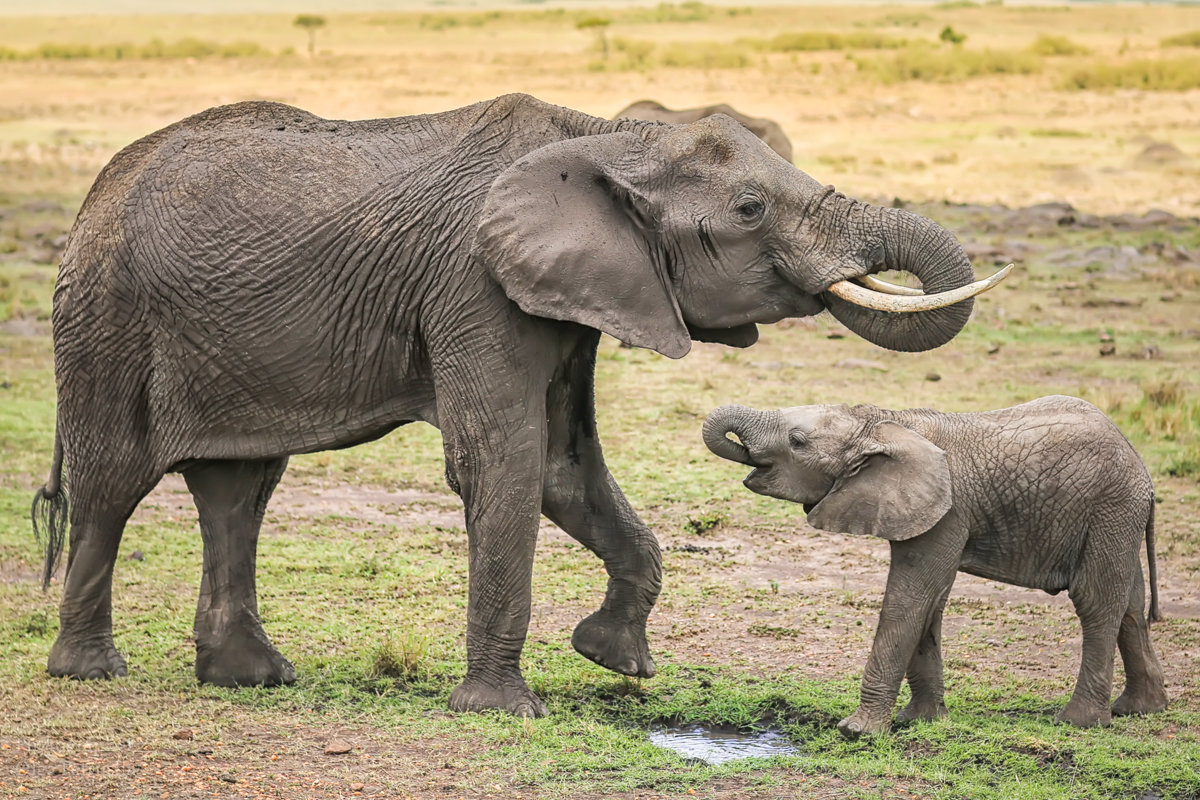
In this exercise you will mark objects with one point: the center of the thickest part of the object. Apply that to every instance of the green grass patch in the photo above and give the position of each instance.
(947, 64)
(1048, 45)
(1153, 75)
(154, 49)
(1189, 39)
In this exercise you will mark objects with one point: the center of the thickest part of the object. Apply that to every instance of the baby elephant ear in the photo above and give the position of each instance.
(567, 235)
(901, 490)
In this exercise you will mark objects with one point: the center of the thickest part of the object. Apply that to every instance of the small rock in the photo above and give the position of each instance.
(1106, 337)
(357, 787)
(1151, 352)
(991, 351)
(337, 747)
(185, 734)
(932, 376)
(836, 333)
(1108, 349)
(861, 363)
(137, 555)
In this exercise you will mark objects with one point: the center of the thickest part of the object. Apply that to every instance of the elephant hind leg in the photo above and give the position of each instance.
(100, 507)
(1099, 590)
(231, 647)
(1145, 691)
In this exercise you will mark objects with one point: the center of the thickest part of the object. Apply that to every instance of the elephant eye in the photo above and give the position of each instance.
(797, 440)
(750, 211)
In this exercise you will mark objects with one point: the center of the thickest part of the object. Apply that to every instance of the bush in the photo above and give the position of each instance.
(1162, 75)
(925, 63)
(1189, 39)
(1057, 46)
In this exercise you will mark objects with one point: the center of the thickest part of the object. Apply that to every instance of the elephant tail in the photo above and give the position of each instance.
(49, 515)
(1155, 613)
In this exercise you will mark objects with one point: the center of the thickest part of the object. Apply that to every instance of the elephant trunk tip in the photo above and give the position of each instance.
(721, 422)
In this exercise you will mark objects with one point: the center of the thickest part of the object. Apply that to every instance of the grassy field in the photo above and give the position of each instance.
(763, 621)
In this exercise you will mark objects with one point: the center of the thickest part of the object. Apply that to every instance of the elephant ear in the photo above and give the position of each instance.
(567, 234)
(900, 488)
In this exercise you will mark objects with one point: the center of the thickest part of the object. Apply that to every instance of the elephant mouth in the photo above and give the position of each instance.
(737, 336)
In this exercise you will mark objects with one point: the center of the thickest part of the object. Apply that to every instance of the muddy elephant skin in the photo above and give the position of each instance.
(768, 130)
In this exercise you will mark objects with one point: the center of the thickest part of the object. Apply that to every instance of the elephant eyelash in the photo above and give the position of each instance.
(797, 440)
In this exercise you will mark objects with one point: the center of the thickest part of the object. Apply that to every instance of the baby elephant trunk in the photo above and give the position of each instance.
(741, 421)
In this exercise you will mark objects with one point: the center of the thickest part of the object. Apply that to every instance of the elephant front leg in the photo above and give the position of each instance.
(924, 674)
(581, 497)
(919, 580)
(498, 476)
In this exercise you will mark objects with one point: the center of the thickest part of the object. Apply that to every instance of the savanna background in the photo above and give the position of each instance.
(1064, 138)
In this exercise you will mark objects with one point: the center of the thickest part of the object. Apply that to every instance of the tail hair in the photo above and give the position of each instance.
(49, 515)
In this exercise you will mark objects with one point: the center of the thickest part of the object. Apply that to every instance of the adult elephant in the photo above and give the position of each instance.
(766, 129)
(255, 281)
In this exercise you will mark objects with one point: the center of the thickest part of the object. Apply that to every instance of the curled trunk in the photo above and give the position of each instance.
(919, 246)
(739, 420)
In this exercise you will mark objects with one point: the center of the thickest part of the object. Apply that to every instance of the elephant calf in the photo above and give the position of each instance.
(1048, 494)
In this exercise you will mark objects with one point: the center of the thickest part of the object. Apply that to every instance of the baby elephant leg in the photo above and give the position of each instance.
(1100, 592)
(1145, 691)
(925, 673)
(921, 574)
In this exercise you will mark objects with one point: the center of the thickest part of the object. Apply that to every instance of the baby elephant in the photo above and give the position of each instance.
(1048, 494)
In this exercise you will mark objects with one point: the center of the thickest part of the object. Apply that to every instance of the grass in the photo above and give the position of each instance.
(948, 64)
(1153, 75)
(125, 51)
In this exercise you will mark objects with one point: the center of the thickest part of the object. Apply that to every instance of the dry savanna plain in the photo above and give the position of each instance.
(1064, 139)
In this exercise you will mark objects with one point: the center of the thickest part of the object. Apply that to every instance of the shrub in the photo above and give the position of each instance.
(952, 36)
(124, 51)
(1057, 46)
(1189, 39)
(1162, 75)
(811, 41)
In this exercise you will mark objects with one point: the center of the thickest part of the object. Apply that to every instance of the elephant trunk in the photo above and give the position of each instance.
(742, 421)
(900, 240)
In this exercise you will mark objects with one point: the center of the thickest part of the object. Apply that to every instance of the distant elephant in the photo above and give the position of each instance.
(766, 129)
(1048, 494)
(255, 281)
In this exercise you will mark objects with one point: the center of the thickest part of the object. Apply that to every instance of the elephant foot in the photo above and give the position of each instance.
(613, 644)
(86, 661)
(1144, 700)
(924, 710)
(512, 696)
(860, 723)
(1085, 715)
(242, 658)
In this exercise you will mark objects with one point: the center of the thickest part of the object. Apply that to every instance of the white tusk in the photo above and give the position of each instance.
(874, 284)
(885, 301)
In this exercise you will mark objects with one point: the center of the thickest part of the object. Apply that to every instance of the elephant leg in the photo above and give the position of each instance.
(100, 507)
(231, 647)
(1100, 592)
(924, 673)
(495, 453)
(1145, 689)
(919, 580)
(581, 497)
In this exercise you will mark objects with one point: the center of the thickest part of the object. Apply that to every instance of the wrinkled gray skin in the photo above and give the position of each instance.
(766, 129)
(1048, 494)
(255, 281)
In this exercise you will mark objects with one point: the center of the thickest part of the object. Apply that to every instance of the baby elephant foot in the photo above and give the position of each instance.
(925, 711)
(1146, 700)
(86, 660)
(513, 696)
(242, 658)
(613, 644)
(860, 723)
(1085, 715)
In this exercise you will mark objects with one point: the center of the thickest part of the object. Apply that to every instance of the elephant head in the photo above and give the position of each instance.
(660, 234)
(852, 469)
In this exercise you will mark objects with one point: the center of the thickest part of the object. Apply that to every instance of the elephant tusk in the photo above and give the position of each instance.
(885, 301)
(876, 285)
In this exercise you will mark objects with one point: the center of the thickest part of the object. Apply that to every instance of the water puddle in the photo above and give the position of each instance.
(718, 745)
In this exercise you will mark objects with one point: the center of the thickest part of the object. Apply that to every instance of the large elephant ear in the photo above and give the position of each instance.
(900, 489)
(567, 234)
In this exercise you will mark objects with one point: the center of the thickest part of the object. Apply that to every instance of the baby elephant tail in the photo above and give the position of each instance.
(1155, 613)
(49, 515)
